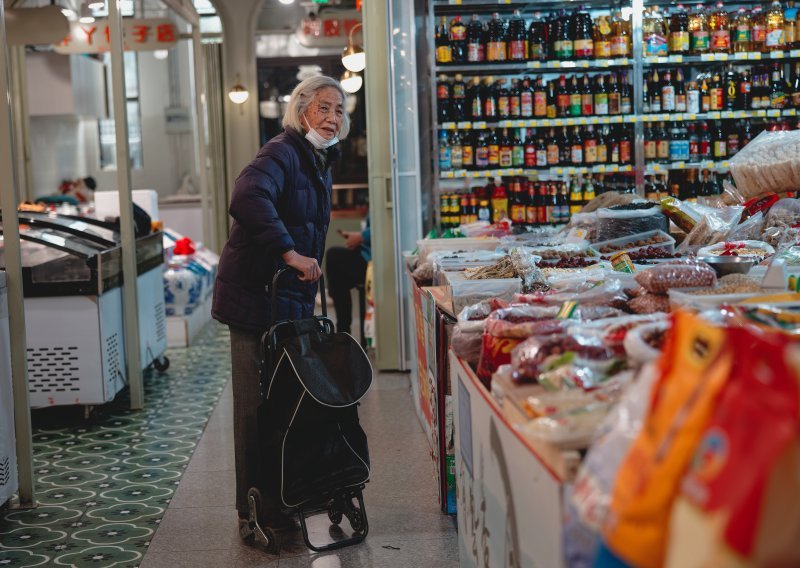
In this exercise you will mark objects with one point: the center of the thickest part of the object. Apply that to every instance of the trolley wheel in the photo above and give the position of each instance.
(247, 534)
(161, 364)
(334, 514)
(273, 544)
(356, 519)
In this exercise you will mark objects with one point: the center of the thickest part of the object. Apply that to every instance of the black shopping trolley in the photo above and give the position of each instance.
(313, 455)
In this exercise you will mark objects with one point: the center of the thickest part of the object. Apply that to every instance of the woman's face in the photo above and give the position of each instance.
(325, 111)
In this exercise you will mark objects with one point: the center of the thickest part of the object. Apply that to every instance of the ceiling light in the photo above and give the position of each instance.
(97, 5)
(287, 2)
(353, 56)
(161, 53)
(351, 82)
(69, 14)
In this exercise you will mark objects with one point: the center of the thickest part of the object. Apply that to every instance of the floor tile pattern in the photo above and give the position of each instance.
(104, 484)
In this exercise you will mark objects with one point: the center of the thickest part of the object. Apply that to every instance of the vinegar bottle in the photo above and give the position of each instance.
(620, 37)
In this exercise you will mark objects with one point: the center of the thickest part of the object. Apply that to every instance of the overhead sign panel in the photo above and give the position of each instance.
(138, 35)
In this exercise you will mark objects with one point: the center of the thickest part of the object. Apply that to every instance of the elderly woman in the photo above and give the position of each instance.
(281, 207)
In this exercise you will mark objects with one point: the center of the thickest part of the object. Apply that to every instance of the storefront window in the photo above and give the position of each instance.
(106, 127)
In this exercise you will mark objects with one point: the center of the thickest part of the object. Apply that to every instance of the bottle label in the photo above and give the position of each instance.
(496, 51)
(541, 214)
(693, 102)
(459, 91)
(444, 54)
(655, 104)
(679, 42)
(717, 99)
(742, 34)
(620, 46)
(705, 148)
(745, 87)
(576, 154)
(536, 51)
(614, 100)
(467, 156)
(706, 103)
(777, 100)
(680, 103)
(539, 104)
(490, 108)
(615, 153)
(720, 149)
(668, 98)
(456, 157)
(721, 40)
(575, 105)
(442, 92)
(563, 103)
(602, 48)
(625, 106)
(650, 151)
(587, 104)
(602, 153)
(655, 45)
(517, 156)
(494, 155)
(503, 106)
(775, 38)
(506, 158)
(477, 111)
(601, 103)
(445, 162)
(759, 33)
(662, 149)
(694, 148)
(482, 157)
(552, 154)
(514, 106)
(476, 53)
(625, 151)
(530, 156)
(458, 33)
(583, 48)
(518, 213)
(530, 215)
(565, 49)
(700, 41)
(590, 151)
(796, 99)
(731, 94)
(518, 50)
(552, 111)
(541, 158)
(526, 104)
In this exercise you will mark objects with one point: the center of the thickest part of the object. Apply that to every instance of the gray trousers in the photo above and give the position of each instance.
(245, 362)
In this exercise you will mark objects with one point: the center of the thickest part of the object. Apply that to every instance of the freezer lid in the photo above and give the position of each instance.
(97, 234)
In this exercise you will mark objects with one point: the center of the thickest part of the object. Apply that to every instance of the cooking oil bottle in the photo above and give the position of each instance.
(775, 27)
(742, 36)
(698, 27)
(719, 25)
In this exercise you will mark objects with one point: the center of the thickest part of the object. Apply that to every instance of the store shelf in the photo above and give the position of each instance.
(539, 122)
(723, 58)
(528, 66)
(718, 166)
(554, 171)
(716, 115)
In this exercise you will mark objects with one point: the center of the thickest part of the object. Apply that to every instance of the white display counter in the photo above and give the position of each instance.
(8, 454)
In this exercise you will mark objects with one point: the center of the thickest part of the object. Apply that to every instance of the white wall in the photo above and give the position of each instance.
(67, 147)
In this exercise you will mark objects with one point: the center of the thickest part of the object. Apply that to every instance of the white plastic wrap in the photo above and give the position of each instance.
(769, 163)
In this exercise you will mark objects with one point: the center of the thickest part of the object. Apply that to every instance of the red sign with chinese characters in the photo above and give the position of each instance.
(138, 35)
(329, 30)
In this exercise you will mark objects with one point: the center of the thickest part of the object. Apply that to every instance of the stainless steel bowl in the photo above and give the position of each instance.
(723, 265)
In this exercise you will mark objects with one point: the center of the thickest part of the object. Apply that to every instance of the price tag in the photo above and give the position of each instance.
(461, 173)
(474, 174)
(572, 171)
(725, 165)
(519, 124)
(721, 57)
(773, 112)
(714, 115)
(679, 165)
(567, 64)
(706, 57)
(613, 168)
(504, 2)
(663, 59)
(616, 119)
(559, 122)
(465, 125)
(794, 53)
(583, 120)
(449, 125)
(691, 116)
(583, 63)
(599, 169)
(455, 2)
(449, 175)
(651, 59)
(657, 167)
(754, 55)
(623, 61)
(726, 114)
(740, 55)
(603, 62)
(557, 171)
(627, 168)
(790, 112)
(664, 117)
(479, 125)
(706, 165)
(570, 122)
(519, 172)
(676, 58)
(777, 54)
(535, 64)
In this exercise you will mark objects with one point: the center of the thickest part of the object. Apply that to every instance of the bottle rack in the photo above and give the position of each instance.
(637, 66)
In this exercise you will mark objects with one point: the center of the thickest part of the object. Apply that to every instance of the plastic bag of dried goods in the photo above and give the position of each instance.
(714, 226)
(757, 250)
(769, 163)
(676, 274)
(481, 310)
(524, 262)
(626, 220)
(650, 304)
(530, 357)
(646, 342)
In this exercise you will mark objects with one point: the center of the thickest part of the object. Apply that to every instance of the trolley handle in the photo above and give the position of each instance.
(274, 293)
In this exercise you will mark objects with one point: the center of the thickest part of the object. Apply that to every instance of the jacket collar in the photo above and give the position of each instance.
(307, 150)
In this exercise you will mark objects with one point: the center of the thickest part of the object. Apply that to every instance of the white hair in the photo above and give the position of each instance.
(301, 97)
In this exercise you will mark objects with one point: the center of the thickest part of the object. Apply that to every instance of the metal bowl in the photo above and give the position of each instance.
(724, 265)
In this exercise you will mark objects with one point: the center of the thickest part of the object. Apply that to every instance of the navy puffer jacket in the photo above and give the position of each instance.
(281, 201)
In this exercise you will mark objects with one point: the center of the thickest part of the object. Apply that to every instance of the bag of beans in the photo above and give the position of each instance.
(677, 274)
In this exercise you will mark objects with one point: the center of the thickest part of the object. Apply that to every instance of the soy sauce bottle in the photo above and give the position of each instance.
(517, 41)
(496, 39)
(476, 50)
(458, 40)
(537, 39)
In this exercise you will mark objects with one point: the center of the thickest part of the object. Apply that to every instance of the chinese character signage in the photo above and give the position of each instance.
(329, 29)
(139, 35)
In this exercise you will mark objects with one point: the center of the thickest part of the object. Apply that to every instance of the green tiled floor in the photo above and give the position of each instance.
(103, 485)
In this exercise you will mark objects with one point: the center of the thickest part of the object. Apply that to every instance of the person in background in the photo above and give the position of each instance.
(281, 207)
(346, 268)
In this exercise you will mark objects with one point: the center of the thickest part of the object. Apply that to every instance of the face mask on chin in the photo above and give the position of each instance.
(317, 140)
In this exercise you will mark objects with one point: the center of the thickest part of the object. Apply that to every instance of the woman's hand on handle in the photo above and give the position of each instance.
(307, 267)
